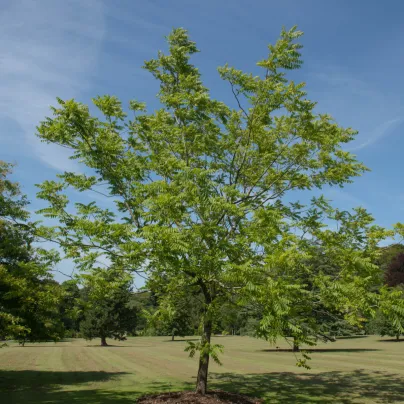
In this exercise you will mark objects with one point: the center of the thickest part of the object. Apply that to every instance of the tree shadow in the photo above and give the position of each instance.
(350, 337)
(391, 340)
(161, 387)
(321, 350)
(182, 340)
(74, 397)
(119, 346)
(20, 380)
(335, 387)
(35, 387)
(78, 346)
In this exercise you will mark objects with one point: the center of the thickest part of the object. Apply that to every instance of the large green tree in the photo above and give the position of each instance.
(200, 187)
(29, 297)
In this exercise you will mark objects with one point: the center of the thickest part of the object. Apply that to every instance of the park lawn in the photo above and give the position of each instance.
(355, 370)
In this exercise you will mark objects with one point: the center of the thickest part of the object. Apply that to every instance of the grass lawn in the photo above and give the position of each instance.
(358, 370)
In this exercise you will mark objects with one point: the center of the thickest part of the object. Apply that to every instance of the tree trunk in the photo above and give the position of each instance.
(172, 337)
(202, 379)
(295, 346)
(398, 337)
(103, 341)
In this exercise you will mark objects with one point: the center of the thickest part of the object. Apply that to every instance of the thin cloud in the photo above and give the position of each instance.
(49, 49)
(345, 197)
(383, 130)
(345, 82)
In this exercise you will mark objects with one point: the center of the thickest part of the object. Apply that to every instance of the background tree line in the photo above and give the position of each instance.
(104, 304)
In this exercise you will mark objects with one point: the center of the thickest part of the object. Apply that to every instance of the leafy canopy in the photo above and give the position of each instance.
(199, 189)
(28, 295)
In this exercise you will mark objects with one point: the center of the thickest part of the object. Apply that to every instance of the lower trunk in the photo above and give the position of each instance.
(398, 337)
(295, 345)
(172, 337)
(103, 341)
(202, 379)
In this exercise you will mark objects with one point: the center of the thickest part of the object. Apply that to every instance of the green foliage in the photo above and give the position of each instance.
(29, 297)
(107, 309)
(200, 193)
(390, 319)
(394, 273)
(70, 309)
(206, 350)
(231, 319)
(177, 313)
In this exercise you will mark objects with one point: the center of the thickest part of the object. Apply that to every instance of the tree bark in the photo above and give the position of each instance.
(398, 337)
(202, 379)
(295, 346)
(172, 337)
(103, 341)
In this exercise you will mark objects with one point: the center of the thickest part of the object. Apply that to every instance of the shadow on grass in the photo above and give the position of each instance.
(20, 380)
(82, 346)
(391, 340)
(182, 340)
(334, 387)
(351, 337)
(322, 350)
(74, 397)
(77, 346)
(120, 346)
(35, 387)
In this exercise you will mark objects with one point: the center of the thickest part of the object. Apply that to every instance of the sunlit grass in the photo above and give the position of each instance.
(360, 370)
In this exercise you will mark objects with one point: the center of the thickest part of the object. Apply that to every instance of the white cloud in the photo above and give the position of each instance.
(380, 132)
(49, 49)
(357, 103)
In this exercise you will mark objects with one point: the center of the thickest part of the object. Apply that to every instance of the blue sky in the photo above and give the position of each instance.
(353, 64)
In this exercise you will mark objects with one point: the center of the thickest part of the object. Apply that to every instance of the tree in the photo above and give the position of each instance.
(107, 309)
(201, 187)
(178, 311)
(394, 274)
(232, 319)
(29, 297)
(143, 301)
(70, 308)
(390, 318)
(316, 320)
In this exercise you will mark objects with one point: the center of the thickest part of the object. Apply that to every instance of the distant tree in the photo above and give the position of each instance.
(143, 301)
(388, 253)
(108, 312)
(70, 309)
(390, 317)
(232, 318)
(29, 297)
(394, 273)
(175, 321)
(178, 310)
